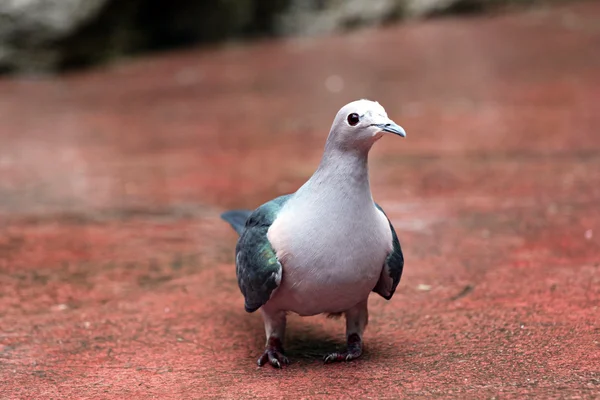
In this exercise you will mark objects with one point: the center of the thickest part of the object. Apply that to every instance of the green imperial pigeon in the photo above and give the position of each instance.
(326, 247)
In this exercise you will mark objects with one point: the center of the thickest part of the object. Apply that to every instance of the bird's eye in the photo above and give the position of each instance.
(353, 119)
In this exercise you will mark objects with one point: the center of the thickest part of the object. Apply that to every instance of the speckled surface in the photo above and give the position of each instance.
(117, 277)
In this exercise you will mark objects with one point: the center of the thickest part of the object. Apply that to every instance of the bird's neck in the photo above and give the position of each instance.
(343, 171)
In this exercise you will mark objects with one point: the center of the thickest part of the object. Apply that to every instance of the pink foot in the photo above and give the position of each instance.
(274, 354)
(354, 350)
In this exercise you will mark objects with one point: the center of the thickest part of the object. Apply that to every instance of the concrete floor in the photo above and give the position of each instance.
(117, 276)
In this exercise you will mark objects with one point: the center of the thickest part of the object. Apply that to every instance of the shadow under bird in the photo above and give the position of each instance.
(326, 247)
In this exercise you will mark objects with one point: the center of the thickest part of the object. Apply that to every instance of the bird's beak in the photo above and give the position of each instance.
(392, 127)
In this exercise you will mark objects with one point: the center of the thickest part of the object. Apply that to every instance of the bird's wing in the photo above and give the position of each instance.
(258, 270)
(392, 269)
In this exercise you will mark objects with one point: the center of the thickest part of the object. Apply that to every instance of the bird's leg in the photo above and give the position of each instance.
(356, 321)
(275, 330)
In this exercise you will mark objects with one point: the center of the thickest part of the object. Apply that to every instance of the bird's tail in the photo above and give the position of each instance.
(237, 219)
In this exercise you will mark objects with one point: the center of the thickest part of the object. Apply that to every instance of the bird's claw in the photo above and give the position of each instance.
(353, 351)
(273, 354)
(344, 356)
(275, 357)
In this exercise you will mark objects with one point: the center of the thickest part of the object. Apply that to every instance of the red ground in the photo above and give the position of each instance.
(117, 275)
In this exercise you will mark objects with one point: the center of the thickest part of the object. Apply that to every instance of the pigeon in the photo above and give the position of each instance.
(326, 247)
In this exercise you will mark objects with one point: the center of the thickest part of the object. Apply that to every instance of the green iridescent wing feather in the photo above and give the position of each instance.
(258, 270)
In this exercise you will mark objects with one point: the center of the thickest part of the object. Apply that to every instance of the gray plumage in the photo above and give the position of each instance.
(258, 272)
(323, 248)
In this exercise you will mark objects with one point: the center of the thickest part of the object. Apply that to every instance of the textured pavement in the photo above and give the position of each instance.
(117, 277)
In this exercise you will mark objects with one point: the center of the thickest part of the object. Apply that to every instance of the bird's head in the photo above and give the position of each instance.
(361, 123)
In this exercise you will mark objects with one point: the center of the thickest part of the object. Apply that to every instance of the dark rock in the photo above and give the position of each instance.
(28, 27)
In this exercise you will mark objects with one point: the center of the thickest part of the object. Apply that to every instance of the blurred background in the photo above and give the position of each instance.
(127, 127)
(51, 35)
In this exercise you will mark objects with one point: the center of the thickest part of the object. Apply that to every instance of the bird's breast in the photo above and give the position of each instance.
(331, 261)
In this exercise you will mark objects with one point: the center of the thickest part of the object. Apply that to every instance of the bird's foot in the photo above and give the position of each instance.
(353, 351)
(273, 354)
